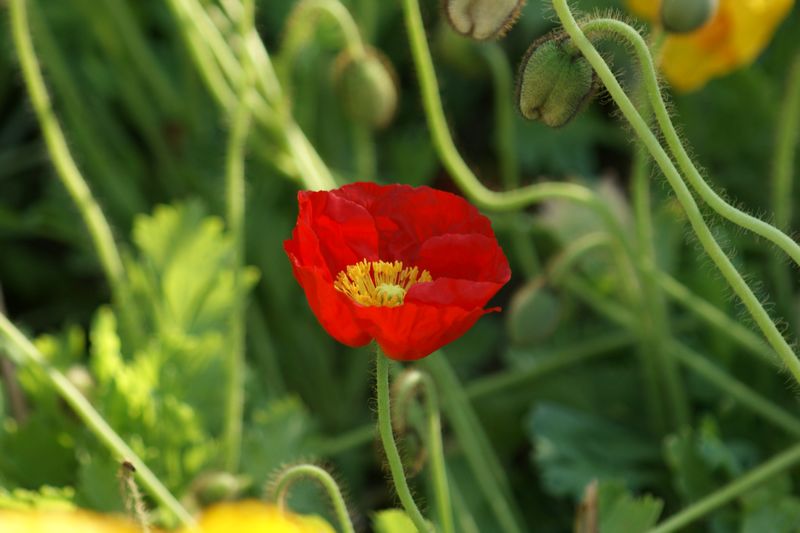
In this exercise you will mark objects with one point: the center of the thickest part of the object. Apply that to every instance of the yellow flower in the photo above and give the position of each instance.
(241, 517)
(35, 521)
(733, 38)
(256, 517)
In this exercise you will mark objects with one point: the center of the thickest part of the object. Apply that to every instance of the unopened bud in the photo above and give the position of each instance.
(482, 19)
(684, 16)
(366, 88)
(555, 82)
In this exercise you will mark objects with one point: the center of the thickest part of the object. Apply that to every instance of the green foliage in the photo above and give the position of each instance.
(620, 512)
(573, 448)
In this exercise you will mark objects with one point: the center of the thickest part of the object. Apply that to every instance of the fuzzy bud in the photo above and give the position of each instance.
(684, 16)
(555, 82)
(366, 88)
(482, 19)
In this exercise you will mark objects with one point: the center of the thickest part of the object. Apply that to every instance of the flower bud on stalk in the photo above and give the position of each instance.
(555, 82)
(482, 19)
(684, 16)
(366, 88)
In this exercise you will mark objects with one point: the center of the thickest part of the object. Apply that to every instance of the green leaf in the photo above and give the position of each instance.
(276, 435)
(573, 448)
(771, 507)
(621, 512)
(45, 497)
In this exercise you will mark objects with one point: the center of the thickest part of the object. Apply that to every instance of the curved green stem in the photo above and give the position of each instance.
(736, 389)
(390, 446)
(302, 18)
(504, 134)
(477, 448)
(235, 206)
(775, 466)
(704, 235)
(28, 353)
(716, 202)
(66, 168)
(409, 382)
(321, 476)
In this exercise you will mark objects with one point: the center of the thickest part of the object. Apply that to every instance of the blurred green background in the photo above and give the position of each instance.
(146, 133)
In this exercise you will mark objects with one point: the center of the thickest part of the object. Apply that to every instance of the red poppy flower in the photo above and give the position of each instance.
(409, 267)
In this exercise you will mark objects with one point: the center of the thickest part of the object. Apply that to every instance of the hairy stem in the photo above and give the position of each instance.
(66, 168)
(390, 446)
(289, 476)
(411, 381)
(701, 229)
(235, 207)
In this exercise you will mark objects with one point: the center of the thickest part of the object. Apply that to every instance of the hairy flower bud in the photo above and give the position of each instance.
(555, 82)
(482, 19)
(366, 88)
(684, 16)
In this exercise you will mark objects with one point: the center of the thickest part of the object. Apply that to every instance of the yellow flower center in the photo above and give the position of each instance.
(379, 283)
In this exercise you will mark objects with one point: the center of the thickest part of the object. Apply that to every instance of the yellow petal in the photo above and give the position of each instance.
(61, 522)
(735, 37)
(256, 517)
(645, 9)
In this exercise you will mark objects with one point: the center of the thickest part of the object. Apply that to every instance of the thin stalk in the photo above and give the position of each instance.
(292, 474)
(716, 318)
(685, 163)
(474, 442)
(409, 382)
(775, 466)
(504, 132)
(701, 229)
(336, 11)
(655, 319)
(29, 354)
(782, 181)
(235, 202)
(66, 168)
(746, 396)
(390, 446)
(578, 354)
(737, 390)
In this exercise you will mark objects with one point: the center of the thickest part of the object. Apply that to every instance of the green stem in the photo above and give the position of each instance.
(29, 354)
(782, 178)
(409, 382)
(757, 226)
(321, 476)
(576, 355)
(504, 134)
(775, 466)
(390, 446)
(713, 316)
(704, 235)
(730, 385)
(478, 449)
(66, 168)
(736, 389)
(301, 20)
(655, 319)
(235, 201)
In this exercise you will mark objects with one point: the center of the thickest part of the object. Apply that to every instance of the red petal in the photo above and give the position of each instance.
(334, 310)
(344, 231)
(413, 331)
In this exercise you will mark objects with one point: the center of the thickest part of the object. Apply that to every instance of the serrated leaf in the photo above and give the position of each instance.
(621, 512)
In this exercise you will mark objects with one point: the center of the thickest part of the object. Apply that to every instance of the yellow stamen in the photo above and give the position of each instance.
(379, 283)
